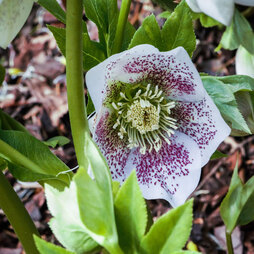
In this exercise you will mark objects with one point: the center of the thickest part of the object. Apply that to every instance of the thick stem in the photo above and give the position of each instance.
(122, 19)
(75, 82)
(17, 216)
(229, 243)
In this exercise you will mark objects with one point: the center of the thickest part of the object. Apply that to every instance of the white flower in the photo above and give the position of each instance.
(220, 10)
(154, 116)
(244, 62)
(13, 15)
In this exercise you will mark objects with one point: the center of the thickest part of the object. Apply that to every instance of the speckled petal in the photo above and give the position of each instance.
(112, 147)
(202, 122)
(171, 174)
(172, 71)
(13, 15)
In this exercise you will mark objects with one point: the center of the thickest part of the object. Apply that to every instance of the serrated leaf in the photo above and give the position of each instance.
(92, 51)
(58, 140)
(225, 100)
(178, 30)
(2, 74)
(47, 166)
(49, 248)
(66, 223)
(131, 215)
(170, 232)
(148, 33)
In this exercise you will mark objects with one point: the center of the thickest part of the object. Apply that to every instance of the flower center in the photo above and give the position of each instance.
(144, 118)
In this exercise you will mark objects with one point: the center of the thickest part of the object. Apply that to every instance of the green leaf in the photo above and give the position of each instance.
(239, 33)
(8, 123)
(218, 155)
(104, 14)
(12, 21)
(237, 207)
(98, 217)
(205, 20)
(131, 215)
(66, 223)
(166, 4)
(178, 30)
(165, 14)
(186, 252)
(49, 248)
(90, 107)
(92, 51)
(54, 8)
(96, 210)
(2, 74)
(58, 140)
(243, 89)
(225, 100)
(148, 33)
(48, 167)
(170, 232)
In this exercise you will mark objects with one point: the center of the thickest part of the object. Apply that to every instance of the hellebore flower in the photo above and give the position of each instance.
(220, 10)
(13, 15)
(154, 116)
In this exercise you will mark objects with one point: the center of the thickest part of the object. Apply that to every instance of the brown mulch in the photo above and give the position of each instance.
(36, 97)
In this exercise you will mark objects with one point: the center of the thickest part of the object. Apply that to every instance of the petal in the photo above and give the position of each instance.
(96, 82)
(172, 71)
(112, 147)
(244, 62)
(13, 15)
(213, 8)
(172, 173)
(193, 5)
(202, 122)
(245, 2)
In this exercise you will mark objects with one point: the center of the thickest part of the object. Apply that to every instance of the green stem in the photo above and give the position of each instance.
(122, 19)
(17, 216)
(229, 243)
(75, 82)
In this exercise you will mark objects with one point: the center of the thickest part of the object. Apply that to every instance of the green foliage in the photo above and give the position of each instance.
(47, 166)
(170, 232)
(49, 248)
(3, 164)
(54, 8)
(168, 5)
(8, 123)
(58, 140)
(205, 20)
(93, 53)
(237, 207)
(98, 217)
(233, 96)
(238, 33)
(131, 215)
(66, 223)
(2, 74)
(218, 155)
(90, 107)
(177, 31)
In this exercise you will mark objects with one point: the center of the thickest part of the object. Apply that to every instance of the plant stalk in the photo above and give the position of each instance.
(229, 243)
(75, 82)
(122, 20)
(17, 216)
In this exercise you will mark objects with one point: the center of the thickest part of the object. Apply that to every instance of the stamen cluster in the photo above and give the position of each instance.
(144, 118)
